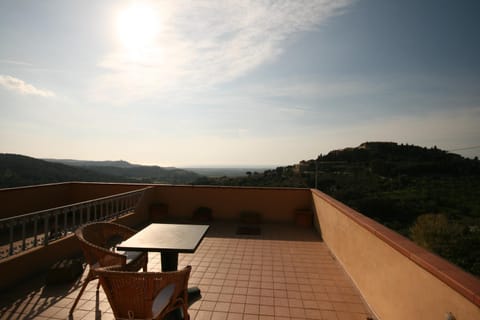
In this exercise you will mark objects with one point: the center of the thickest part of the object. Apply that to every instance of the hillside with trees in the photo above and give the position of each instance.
(427, 194)
(18, 170)
(135, 172)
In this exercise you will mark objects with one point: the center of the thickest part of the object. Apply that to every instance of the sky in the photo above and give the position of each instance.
(236, 83)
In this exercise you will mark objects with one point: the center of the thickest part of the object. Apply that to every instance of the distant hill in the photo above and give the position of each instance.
(215, 172)
(135, 172)
(87, 163)
(18, 170)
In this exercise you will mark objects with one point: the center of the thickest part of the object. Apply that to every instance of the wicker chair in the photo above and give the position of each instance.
(146, 295)
(98, 241)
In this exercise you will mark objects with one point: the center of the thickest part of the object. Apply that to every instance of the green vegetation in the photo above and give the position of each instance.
(400, 186)
(18, 170)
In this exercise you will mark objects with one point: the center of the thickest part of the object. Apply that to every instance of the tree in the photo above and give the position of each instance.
(430, 230)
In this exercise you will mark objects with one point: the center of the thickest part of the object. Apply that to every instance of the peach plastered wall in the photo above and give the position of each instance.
(83, 191)
(22, 200)
(227, 203)
(16, 201)
(398, 279)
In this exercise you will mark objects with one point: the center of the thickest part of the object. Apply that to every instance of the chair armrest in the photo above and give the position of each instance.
(110, 258)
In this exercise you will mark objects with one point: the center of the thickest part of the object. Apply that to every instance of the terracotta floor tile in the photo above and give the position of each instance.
(280, 293)
(252, 308)
(266, 301)
(254, 291)
(250, 299)
(227, 289)
(214, 289)
(219, 315)
(266, 292)
(350, 316)
(203, 315)
(313, 314)
(266, 310)
(235, 316)
(209, 296)
(338, 297)
(237, 307)
(207, 305)
(222, 306)
(282, 311)
(250, 317)
(297, 312)
(294, 294)
(240, 291)
(321, 296)
(263, 277)
(281, 301)
(341, 306)
(239, 298)
(329, 315)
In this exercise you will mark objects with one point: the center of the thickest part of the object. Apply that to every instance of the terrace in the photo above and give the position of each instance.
(336, 264)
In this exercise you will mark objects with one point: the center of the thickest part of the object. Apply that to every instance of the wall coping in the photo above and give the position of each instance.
(456, 278)
(71, 183)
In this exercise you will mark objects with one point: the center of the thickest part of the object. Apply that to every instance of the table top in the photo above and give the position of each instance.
(162, 237)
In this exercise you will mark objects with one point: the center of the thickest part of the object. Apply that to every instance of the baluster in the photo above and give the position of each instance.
(65, 221)
(95, 214)
(10, 249)
(109, 209)
(80, 215)
(88, 212)
(23, 234)
(46, 227)
(57, 233)
(35, 230)
(116, 210)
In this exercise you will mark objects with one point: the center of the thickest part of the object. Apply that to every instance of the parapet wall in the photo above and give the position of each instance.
(227, 203)
(397, 278)
(17, 201)
(22, 200)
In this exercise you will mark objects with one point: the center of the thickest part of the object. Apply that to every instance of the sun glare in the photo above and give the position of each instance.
(137, 28)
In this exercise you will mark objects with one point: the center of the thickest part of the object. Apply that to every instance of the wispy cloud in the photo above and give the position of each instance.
(203, 44)
(20, 86)
(15, 62)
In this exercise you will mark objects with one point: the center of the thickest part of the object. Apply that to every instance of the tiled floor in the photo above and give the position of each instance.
(284, 273)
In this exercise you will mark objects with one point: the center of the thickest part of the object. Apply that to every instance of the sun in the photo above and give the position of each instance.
(137, 27)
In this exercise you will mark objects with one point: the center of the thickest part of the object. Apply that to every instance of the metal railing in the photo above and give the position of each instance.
(27, 231)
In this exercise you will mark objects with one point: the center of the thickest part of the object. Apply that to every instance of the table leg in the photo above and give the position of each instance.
(169, 261)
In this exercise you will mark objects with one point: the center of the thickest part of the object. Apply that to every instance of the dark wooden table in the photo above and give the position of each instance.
(168, 239)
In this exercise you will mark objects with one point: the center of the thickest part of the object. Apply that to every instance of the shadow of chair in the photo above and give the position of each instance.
(98, 241)
(146, 295)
